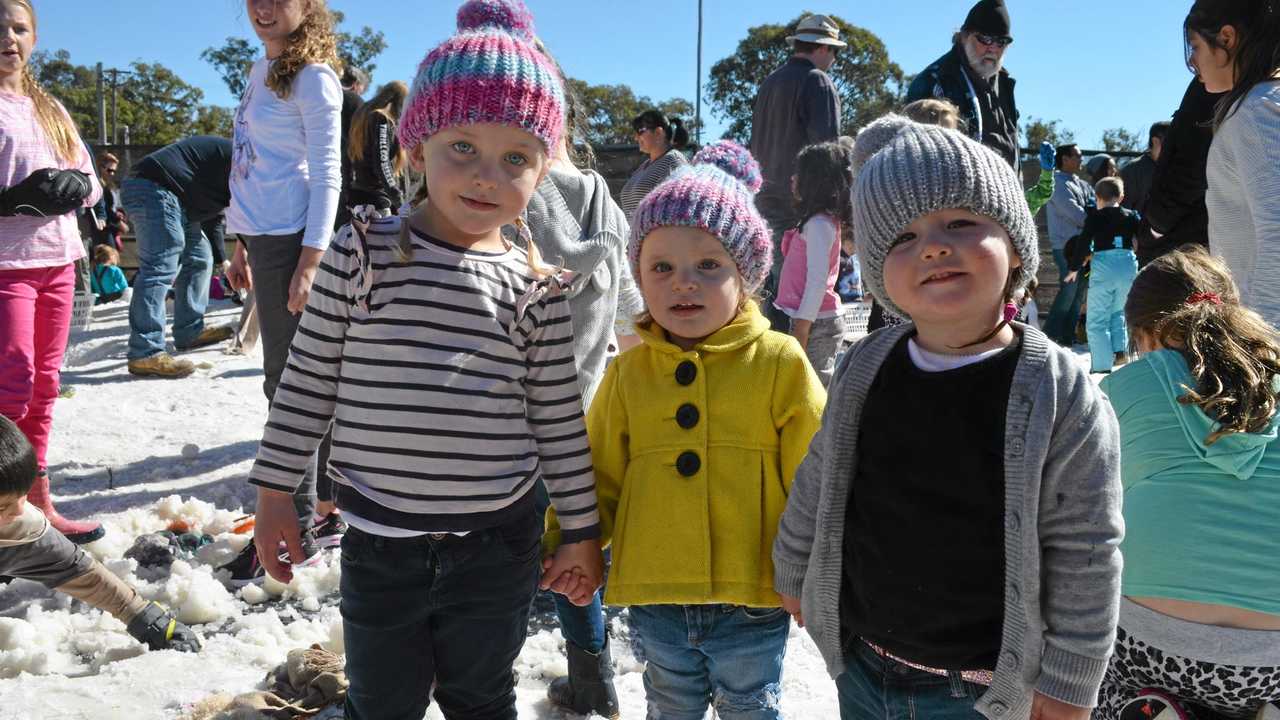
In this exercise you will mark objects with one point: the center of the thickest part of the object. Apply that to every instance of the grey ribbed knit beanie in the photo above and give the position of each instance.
(904, 170)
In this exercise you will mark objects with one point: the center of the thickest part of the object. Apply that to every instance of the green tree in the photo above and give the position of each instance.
(157, 105)
(609, 110)
(1038, 130)
(234, 57)
(868, 82)
(1122, 140)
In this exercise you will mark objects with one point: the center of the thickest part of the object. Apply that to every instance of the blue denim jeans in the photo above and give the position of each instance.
(725, 656)
(1060, 326)
(876, 688)
(581, 625)
(443, 610)
(172, 252)
(1109, 282)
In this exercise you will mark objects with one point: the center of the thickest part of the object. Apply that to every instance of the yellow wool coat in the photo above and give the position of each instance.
(694, 456)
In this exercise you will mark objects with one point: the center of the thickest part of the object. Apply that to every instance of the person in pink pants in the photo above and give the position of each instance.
(45, 175)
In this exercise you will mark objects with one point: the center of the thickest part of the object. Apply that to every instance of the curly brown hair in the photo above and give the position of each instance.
(314, 42)
(1186, 301)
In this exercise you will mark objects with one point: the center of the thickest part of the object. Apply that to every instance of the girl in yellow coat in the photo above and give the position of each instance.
(695, 436)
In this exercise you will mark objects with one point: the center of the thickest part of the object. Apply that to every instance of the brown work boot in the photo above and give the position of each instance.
(161, 365)
(210, 336)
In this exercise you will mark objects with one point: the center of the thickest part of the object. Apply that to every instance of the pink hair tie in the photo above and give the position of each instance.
(1010, 312)
(1200, 297)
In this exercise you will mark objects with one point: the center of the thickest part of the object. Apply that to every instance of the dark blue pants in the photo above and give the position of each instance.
(876, 688)
(445, 610)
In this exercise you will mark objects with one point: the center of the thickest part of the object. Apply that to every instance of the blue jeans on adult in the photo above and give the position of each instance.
(877, 688)
(723, 655)
(1113, 272)
(581, 625)
(172, 252)
(443, 611)
(1060, 326)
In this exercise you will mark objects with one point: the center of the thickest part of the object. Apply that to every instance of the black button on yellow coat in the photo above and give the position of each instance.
(686, 372)
(688, 463)
(687, 416)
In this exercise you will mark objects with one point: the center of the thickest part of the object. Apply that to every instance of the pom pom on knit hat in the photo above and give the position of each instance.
(905, 170)
(490, 71)
(715, 194)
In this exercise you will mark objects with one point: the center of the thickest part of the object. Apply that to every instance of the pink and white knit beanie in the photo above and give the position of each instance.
(716, 194)
(488, 72)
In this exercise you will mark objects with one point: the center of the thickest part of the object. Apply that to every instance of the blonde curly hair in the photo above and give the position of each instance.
(313, 42)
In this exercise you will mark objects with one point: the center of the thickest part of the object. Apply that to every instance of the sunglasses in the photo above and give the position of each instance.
(996, 40)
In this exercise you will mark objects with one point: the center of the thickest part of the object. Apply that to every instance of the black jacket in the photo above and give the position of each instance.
(1175, 207)
(797, 105)
(991, 117)
(374, 178)
(1137, 177)
(197, 170)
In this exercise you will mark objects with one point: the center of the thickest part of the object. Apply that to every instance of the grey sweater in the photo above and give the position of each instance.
(1244, 180)
(575, 223)
(1062, 524)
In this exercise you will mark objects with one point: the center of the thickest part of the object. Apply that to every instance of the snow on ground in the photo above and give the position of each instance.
(121, 453)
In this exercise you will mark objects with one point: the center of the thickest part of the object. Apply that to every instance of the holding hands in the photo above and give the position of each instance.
(575, 570)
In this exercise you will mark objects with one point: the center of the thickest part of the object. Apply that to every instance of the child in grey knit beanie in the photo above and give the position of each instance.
(905, 171)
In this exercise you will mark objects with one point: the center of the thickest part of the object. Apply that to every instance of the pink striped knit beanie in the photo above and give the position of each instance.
(716, 194)
(488, 72)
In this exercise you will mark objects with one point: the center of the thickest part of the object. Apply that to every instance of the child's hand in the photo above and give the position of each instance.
(792, 606)
(276, 520)
(581, 558)
(1071, 277)
(1044, 707)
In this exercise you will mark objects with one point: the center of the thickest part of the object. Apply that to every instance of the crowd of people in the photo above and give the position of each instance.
(508, 379)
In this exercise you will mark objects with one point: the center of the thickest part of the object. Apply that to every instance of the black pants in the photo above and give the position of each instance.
(273, 260)
(437, 609)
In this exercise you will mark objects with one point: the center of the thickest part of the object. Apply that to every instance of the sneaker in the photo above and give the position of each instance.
(325, 534)
(1151, 704)
(210, 336)
(161, 365)
(245, 568)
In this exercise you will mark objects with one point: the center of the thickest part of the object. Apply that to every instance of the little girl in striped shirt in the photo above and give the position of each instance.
(442, 354)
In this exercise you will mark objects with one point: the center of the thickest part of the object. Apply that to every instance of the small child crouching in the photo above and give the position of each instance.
(32, 550)
(951, 539)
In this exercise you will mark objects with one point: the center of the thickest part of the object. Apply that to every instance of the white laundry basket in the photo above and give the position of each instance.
(82, 311)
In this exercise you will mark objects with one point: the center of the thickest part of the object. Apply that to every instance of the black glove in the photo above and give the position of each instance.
(156, 628)
(46, 192)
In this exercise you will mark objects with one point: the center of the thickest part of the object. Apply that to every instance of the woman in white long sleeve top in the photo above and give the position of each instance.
(1232, 48)
(285, 181)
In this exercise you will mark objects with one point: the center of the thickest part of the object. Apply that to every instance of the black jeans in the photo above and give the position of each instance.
(439, 609)
(273, 260)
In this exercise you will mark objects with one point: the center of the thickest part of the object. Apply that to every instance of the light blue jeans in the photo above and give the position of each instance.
(172, 252)
(1111, 277)
(726, 656)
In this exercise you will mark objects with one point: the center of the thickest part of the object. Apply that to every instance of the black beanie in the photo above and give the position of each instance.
(989, 17)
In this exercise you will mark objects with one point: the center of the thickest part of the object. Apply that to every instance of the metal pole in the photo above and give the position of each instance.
(102, 110)
(115, 129)
(697, 100)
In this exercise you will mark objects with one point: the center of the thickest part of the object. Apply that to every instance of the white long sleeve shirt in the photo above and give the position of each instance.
(286, 169)
(1244, 183)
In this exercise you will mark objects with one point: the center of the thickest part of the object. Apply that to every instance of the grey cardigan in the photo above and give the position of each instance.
(576, 224)
(1062, 523)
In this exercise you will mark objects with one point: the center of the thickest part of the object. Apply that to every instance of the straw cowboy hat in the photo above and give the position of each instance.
(817, 29)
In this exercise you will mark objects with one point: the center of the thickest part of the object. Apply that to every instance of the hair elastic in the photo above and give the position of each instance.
(1201, 297)
(1010, 312)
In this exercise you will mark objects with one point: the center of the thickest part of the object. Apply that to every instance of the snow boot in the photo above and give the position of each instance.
(78, 532)
(589, 686)
(1152, 704)
(158, 629)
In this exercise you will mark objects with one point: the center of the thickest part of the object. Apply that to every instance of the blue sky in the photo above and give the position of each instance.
(1094, 64)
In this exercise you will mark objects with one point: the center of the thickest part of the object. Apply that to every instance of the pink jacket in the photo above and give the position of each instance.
(806, 287)
(31, 242)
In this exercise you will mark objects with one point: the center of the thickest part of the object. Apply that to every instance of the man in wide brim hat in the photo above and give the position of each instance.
(818, 30)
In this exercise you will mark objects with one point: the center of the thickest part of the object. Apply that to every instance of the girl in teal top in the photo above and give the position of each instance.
(1201, 472)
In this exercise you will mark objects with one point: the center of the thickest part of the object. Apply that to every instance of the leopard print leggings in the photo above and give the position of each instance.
(1233, 691)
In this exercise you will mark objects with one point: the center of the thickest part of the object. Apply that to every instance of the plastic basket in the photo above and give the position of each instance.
(82, 311)
(856, 317)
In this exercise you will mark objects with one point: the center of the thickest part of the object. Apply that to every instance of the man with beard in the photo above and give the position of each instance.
(971, 76)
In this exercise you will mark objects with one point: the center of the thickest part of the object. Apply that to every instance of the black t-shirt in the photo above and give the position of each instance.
(197, 170)
(924, 528)
(1111, 228)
